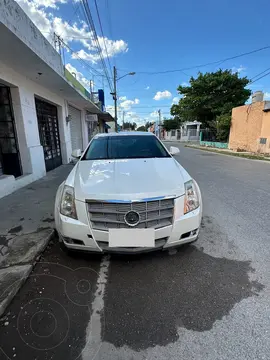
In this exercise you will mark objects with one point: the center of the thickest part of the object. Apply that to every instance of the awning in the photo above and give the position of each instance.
(105, 116)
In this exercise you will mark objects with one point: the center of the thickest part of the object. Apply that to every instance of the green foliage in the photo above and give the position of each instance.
(223, 127)
(171, 124)
(141, 128)
(129, 126)
(148, 124)
(209, 96)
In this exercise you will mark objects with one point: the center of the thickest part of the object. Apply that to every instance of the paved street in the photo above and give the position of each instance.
(209, 300)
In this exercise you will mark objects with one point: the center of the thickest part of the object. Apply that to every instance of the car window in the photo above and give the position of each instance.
(125, 147)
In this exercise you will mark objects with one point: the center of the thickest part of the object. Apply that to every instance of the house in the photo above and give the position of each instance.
(189, 131)
(250, 126)
(45, 113)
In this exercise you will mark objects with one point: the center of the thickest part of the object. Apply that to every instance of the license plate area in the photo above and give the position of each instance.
(132, 238)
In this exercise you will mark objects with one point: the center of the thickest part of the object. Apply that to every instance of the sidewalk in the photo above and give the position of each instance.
(26, 226)
(242, 154)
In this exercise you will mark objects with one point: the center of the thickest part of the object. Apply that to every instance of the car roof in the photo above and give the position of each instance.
(125, 133)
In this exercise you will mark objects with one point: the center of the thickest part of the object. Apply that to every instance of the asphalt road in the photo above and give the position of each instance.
(209, 300)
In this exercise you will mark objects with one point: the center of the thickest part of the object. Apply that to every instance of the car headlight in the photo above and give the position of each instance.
(67, 207)
(191, 197)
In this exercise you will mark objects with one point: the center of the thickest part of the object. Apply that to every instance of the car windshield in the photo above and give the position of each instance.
(125, 147)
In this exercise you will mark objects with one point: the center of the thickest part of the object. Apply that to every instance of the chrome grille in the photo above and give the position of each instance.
(108, 215)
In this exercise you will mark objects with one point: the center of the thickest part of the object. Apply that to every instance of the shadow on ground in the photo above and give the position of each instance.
(149, 297)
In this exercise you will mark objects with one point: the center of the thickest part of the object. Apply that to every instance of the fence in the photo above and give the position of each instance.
(208, 138)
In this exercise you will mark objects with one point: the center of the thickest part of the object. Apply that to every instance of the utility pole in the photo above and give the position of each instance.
(114, 93)
(115, 96)
(123, 120)
(159, 122)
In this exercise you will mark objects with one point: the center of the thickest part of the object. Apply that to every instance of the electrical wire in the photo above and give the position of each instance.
(91, 25)
(252, 82)
(91, 69)
(72, 16)
(203, 65)
(254, 77)
(109, 23)
(103, 37)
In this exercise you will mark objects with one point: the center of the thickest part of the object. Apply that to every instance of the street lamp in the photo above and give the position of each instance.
(114, 93)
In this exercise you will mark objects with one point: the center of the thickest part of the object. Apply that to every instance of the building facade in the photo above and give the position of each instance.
(250, 128)
(189, 131)
(43, 115)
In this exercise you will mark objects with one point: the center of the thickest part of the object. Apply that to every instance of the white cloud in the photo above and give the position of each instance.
(112, 48)
(122, 98)
(48, 3)
(175, 100)
(154, 114)
(239, 69)
(147, 88)
(162, 95)
(47, 24)
(266, 95)
(79, 76)
(184, 83)
(127, 104)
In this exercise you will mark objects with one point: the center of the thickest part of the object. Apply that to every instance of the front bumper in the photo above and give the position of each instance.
(78, 234)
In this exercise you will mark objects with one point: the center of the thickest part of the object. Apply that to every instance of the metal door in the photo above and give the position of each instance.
(10, 163)
(49, 133)
(75, 128)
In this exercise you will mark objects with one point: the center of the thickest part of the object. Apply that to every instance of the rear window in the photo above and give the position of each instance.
(125, 147)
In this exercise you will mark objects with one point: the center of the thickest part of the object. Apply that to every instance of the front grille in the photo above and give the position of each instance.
(109, 215)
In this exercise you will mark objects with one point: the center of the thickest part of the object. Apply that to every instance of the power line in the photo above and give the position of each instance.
(109, 20)
(104, 42)
(72, 16)
(91, 69)
(260, 77)
(203, 65)
(89, 19)
(259, 74)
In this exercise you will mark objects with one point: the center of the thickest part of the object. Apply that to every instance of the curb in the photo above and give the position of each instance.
(233, 154)
(24, 270)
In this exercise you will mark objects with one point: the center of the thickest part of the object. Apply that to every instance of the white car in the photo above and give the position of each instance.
(127, 193)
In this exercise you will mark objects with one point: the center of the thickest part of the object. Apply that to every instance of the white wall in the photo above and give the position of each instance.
(23, 92)
(14, 18)
(169, 136)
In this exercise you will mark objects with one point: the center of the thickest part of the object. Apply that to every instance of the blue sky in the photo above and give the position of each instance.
(148, 36)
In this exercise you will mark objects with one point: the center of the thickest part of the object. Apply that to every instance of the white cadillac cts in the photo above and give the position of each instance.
(127, 194)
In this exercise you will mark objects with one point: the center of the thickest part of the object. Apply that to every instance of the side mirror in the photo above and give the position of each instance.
(174, 150)
(76, 153)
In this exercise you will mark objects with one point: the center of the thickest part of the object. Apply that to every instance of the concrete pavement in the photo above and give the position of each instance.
(26, 226)
(209, 300)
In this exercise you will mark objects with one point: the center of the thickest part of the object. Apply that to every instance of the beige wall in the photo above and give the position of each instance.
(249, 124)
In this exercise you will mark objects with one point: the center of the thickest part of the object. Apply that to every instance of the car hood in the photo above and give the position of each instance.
(131, 179)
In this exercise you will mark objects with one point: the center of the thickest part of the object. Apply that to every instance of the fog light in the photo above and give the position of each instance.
(193, 232)
(68, 240)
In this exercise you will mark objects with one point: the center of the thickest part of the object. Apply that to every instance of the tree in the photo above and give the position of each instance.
(171, 124)
(148, 124)
(129, 126)
(141, 128)
(223, 127)
(211, 95)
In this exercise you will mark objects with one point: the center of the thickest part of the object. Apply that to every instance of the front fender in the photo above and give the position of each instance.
(57, 203)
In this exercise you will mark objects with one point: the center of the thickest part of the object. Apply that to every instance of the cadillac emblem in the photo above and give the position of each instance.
(132, 218)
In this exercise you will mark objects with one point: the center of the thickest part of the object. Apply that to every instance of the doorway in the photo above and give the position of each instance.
(10, 163)
(49, 133)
